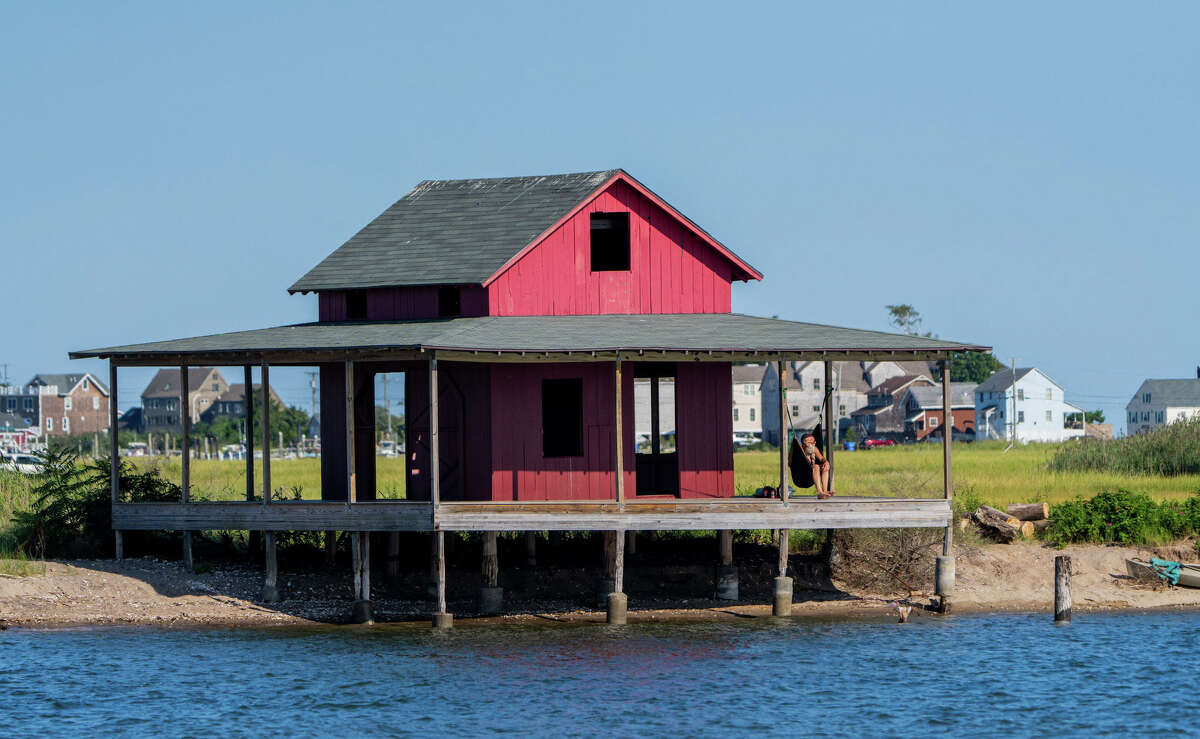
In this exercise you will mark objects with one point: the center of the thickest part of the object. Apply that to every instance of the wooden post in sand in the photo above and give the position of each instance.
(1062, 588)
(491, 595)
(185, 487)
(114, 451)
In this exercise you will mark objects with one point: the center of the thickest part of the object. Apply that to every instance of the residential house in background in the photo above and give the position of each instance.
(59, 404)
(1041, 409)
(884, 413)
(1159, 402)
(876, 373)
(924, 415)
(232, 402)
(805, 394)
(747, 402)
(160, 399)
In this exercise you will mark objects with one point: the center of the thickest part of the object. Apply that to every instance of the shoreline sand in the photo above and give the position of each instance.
(147, 592)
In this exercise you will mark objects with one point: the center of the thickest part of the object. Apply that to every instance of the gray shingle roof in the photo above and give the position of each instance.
(451, 231)
(456, 232)
(1172, 392)
(962, 395)
(671, 332)
(1001, 380)
(165, 384)
(65, 381)
(753, 373)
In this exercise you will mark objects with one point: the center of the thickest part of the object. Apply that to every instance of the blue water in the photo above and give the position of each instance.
(1004, 674)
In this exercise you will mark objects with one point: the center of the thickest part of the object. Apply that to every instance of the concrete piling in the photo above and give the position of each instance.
(783, 597)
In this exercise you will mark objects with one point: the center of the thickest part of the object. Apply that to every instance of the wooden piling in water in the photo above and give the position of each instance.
(1062, 588)
(491, 595)
(271, 577)
(393, 554)
(531, 549)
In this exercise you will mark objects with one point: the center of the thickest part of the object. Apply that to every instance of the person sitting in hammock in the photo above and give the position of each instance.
(809, 466)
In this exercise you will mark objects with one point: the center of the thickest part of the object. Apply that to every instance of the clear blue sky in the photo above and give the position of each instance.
(1024, 174)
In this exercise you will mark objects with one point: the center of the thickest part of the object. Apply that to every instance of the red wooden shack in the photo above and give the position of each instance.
(515, 307)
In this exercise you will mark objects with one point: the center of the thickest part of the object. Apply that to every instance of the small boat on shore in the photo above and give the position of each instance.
(1176, 573)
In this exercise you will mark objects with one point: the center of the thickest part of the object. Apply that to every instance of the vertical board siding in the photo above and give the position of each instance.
(401, 303)
(518, 469)
(671, 269)
(703, 399)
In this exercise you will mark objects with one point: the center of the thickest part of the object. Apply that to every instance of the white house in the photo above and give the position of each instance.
(1159, 402)
(747, 405)
(804, 384)
(1040, 407)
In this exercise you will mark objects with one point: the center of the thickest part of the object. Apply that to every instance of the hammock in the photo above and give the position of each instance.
(802, 476)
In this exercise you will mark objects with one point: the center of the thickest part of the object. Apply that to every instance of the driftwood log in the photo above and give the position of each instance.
(1040, 526)
(1029, 511)
(997, 523)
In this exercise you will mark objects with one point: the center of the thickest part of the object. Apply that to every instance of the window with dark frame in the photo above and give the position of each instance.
(610, 242)
(356, 305)
(449, 302)
(562, 418)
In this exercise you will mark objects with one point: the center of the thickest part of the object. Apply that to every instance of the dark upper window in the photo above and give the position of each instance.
(356, 305)
(562, 418)
(449, 301)
(610, 242)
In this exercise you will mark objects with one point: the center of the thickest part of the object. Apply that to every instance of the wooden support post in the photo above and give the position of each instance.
(1062, 588)
(435, 486)
(356, 562)
(393, 554)
(631, 542)
(441, 619)
(619, 432)
(330, 547)
(531, 549)
(783, 433)
(947, 440)
(114, 452)
(361, 613)
(782, 605)
(185, 486)
(830, 421)
(618, 602)
(725, 547)
(266, 432)
(351, 482)
(943, 584)
(491, 595)
(271, 578)
(248, 398)
(727, 573)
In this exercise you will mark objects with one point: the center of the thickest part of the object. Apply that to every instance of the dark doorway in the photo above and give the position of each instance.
(656, 458)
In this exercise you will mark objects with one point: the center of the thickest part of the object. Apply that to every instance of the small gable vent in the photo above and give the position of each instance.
(610, 242)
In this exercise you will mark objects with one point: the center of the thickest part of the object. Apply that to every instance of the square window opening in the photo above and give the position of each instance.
(449, 302)
(356, 305)
(562, 418)
(610, 242)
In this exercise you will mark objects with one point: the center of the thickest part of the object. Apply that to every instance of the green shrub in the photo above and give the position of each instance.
(966, 501)
(71, 515)
(1123, 517)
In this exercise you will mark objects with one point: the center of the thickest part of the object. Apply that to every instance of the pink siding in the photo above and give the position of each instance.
(518, 469)
(703, 399)
(520, 472)
(671, 269)
(398, 303)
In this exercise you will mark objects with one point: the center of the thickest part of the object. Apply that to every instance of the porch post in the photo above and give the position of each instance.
(618, 602)
(185, 416)
(351, 488)
(266, 432)
(441, 619)
(783, 434)
(944, 576)
(114, 452)
(271, 579)
(727, 572)
(618, 433)
(830, 421)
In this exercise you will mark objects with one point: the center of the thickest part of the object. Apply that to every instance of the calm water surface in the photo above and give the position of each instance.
(1009, 674)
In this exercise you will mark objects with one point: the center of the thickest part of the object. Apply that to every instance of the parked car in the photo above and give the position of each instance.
(26, 464)
(872, 443)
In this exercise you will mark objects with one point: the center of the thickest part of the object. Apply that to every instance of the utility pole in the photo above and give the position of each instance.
(1012, 421)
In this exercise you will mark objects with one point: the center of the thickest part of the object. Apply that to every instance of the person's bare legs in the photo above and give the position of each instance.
(821, 478)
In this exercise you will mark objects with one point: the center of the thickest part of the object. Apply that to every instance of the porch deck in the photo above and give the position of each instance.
(658, 515)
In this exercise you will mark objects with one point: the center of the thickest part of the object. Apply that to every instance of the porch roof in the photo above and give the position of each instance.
(721, 336)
